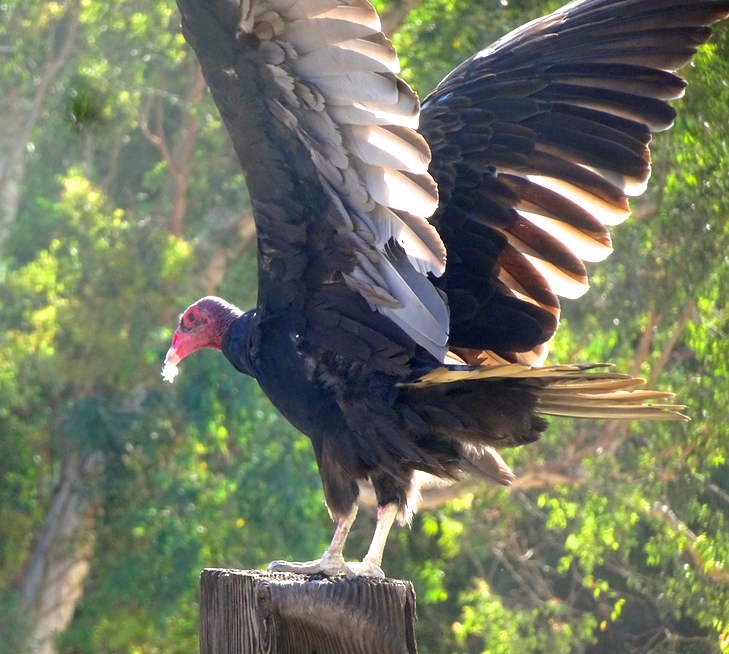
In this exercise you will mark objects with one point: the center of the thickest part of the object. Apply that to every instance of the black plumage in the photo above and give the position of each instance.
(391, 357)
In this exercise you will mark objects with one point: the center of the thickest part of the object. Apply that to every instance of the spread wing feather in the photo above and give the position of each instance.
(524, 155)
(317, 80)
(537, 142)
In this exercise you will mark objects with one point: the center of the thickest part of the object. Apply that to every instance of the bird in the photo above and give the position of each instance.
(410, 256)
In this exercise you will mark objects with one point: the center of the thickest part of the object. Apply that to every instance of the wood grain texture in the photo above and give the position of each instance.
(254, 612)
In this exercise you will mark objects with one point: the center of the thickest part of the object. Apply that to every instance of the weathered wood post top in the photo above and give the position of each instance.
(255, 612)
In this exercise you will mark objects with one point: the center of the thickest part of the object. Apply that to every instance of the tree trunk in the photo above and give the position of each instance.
(19, 118)
(53, 581)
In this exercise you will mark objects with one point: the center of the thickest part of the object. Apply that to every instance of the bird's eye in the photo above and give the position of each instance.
(190, 318)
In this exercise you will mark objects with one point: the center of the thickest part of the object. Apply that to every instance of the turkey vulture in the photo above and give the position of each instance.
(410, 257)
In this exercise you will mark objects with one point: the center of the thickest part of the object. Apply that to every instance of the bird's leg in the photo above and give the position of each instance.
(370, 565)
(332, 561)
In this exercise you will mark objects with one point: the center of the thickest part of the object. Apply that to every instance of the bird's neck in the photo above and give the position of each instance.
(225, 321)
(236, 344)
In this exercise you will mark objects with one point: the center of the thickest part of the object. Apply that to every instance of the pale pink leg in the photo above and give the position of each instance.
(370, 566)
(332, 562)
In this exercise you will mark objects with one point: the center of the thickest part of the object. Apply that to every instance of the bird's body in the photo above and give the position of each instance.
(408, 280)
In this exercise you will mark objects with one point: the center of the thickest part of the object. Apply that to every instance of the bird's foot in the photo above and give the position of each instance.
(329, 565)
(364, 569)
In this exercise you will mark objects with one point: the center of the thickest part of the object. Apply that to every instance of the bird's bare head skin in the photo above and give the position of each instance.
(203, 324)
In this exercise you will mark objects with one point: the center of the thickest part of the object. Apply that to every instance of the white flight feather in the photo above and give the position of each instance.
(423, 309)
(361, 13)
(382, 51)
(366, 114)
(340, 96)
(560, 282)
(606, 213)
(632, 186)
(358, 87)
(416, 235)
(332, 60)
(585, 247)
(310, 35)
(305, 9)
(380, 147)
(393, 189)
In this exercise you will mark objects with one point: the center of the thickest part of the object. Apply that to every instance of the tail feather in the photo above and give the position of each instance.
(638, 412)
(575, 391)
(460, 373)
(461, 415)
(593, 395)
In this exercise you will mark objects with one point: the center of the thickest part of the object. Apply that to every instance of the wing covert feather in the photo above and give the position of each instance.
(537, 142)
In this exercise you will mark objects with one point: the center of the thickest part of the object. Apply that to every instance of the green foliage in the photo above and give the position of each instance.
(549, 628)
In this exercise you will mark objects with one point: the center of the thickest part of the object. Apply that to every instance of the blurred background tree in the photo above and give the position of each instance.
(121, 202)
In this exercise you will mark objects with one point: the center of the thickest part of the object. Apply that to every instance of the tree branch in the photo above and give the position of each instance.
(50, 71)
(176, 158)
(670, 346)
(504, 560)
(195, 90)
(394, 16)
(17, 135)
(644, 347)
(665, 514)
(432, 497)
(158, 140)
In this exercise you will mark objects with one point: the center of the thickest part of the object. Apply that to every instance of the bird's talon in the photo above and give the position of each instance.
(277, 566)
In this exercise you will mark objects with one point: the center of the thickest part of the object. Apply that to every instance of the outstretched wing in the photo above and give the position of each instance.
(337, 176)
(537, 143)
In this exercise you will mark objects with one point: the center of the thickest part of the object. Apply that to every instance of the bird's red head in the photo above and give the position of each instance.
(203, 324)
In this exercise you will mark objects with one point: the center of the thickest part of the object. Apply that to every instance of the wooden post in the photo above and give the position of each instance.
(254, 612)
